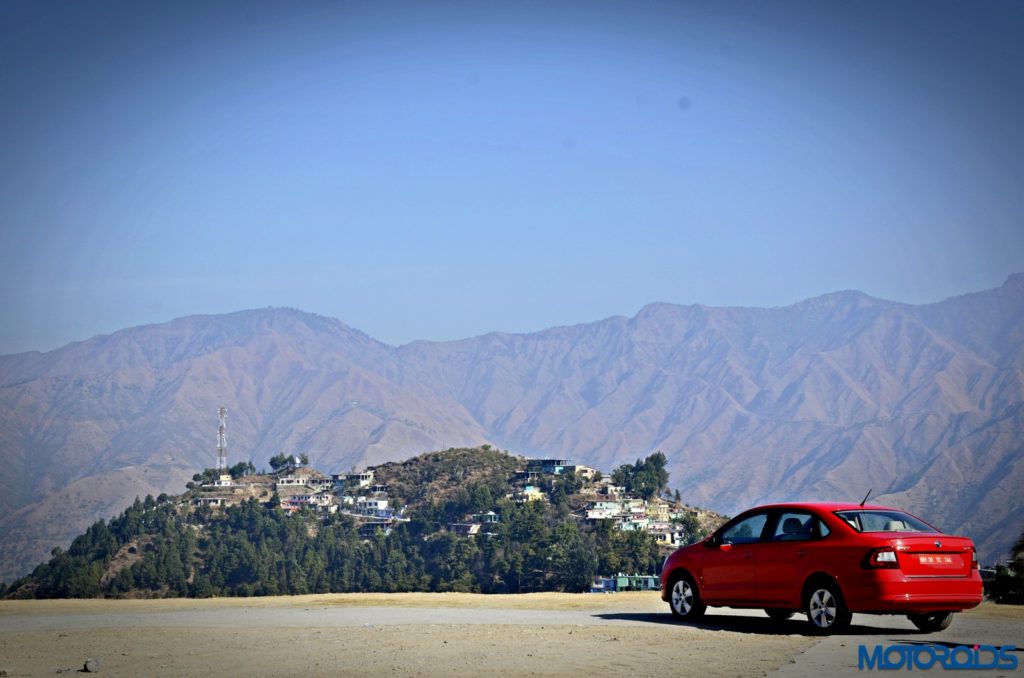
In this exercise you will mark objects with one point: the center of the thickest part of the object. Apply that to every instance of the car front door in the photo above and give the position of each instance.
(728, 573)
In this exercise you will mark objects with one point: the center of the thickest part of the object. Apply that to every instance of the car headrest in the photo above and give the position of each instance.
(792, 526)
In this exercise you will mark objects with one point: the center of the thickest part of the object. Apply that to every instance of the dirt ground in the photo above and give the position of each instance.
(393, 635)
(378, 635)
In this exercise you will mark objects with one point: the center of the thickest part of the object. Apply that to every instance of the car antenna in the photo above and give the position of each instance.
(862, 501)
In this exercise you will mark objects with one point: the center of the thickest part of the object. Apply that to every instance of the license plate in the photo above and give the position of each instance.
(936, 560)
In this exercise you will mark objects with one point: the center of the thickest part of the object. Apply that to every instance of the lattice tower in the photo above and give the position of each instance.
(222, 439)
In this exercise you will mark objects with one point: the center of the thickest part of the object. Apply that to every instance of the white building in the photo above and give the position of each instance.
(358, 480)
(291, 481)
(371, 506)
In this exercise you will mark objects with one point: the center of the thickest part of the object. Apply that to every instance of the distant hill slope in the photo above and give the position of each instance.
(819, 400)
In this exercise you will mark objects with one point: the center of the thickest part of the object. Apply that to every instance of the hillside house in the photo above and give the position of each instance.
(374, 507)
(465, 529)
(601, 514)
(605, 510)
(584, 472)
(290, 481)
(549, 466)
(658, 510)
(665, 535)
(321, 499)
(320, 484)
(212, 501)
(353, 480)
(370, 529)
(633, 505)
(293, 504)
(635, 524)
(613, 491)
(528, 476)
(318, 501)
(488, 518)
(530, 493)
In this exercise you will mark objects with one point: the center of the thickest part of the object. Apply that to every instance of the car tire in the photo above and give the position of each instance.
(778, 614)
(825, 608)
(684, 599)
(930, 623)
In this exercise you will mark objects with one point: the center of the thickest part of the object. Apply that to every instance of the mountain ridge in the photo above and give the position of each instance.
(828, 395)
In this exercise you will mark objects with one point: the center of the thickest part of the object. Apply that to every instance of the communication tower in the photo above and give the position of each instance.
(222, 439)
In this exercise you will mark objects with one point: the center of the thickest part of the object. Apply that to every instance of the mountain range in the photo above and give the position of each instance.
(824, 399)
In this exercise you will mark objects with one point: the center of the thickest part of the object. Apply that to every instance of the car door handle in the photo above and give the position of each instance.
(748, 555)
(801, 553)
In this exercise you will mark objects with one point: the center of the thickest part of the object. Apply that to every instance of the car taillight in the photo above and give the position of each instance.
(974, 558)
(884, 558)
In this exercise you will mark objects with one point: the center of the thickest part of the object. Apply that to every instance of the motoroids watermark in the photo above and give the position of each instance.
(924, 657)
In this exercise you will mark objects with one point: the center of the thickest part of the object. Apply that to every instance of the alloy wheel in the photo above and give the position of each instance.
(682, 597)
(822, 609)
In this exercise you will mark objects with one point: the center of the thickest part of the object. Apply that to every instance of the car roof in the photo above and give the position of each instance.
(825, 506)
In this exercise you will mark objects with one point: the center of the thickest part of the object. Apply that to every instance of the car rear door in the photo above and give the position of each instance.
(783, 556)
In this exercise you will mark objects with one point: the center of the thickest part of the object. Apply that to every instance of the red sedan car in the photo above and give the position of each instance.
(829, 561)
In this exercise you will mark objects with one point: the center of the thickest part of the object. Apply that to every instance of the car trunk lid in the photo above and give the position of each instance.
(934, 555)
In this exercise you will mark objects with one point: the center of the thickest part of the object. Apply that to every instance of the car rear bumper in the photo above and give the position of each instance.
(891, 591)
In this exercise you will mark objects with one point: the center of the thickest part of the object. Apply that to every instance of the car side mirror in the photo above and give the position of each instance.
(725, 546)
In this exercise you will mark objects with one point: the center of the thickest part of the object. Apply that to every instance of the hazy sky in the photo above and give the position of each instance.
(439, 170)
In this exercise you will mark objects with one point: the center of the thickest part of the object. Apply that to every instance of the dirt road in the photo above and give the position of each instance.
(439, 634)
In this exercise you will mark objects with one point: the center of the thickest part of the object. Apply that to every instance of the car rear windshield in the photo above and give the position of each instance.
(883, 521)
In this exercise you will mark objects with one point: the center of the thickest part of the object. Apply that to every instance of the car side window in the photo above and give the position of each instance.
(746, 531)
(797, 526)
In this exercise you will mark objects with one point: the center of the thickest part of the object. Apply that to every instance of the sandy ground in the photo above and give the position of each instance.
(406, 635)
(378, 635)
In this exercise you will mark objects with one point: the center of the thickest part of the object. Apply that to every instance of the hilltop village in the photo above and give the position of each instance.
(463, 519)
(368, 496)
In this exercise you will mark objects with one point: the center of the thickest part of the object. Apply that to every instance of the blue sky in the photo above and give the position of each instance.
(440, 170)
